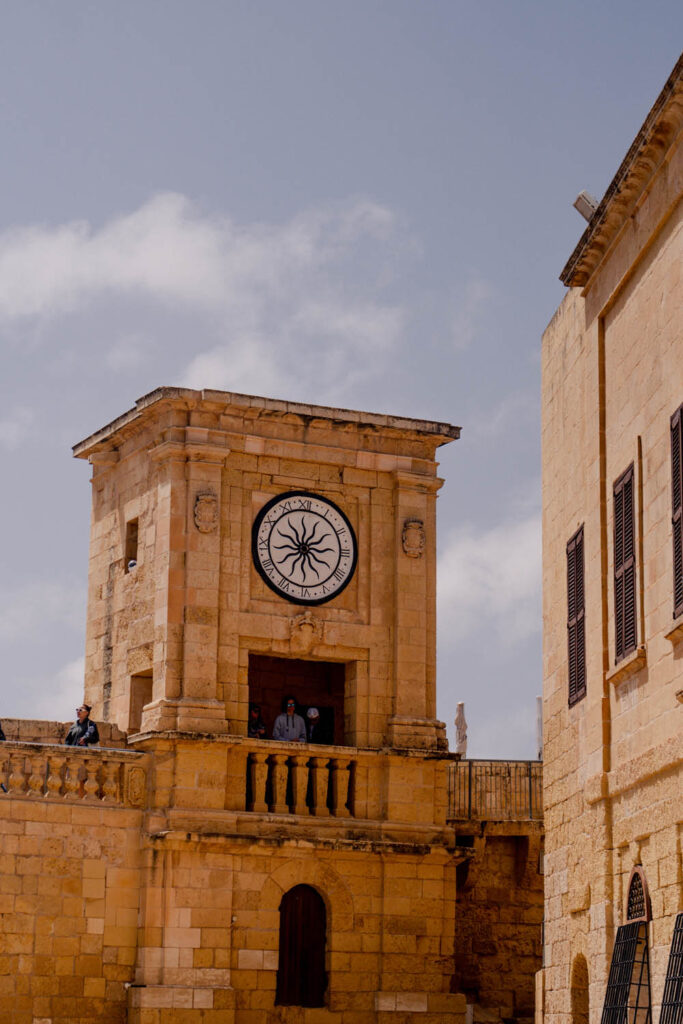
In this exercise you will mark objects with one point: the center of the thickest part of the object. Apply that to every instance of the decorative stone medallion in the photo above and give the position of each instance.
(305, 630)
(206, 511)
(414, 538)
(304, 547)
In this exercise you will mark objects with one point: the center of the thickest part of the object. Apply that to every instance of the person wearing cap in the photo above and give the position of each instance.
(314, 727)
(289, 726)
(83, 732)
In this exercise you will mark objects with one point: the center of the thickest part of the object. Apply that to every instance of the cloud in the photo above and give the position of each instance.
(28, 610)
(491, 580)
(56, 699)
(515, 408)
(16, 427)
(471, 308)
(302, 307)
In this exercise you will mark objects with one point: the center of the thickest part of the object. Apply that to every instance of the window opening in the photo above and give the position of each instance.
(579, 991)
(672, 999)
(314, 684)
(627, 1000)
(141, 687)
(677, 507)
(576, 632)
(301, 974)
(624, 566)
(130, 553)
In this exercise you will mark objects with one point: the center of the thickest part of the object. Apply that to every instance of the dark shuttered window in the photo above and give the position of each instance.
(576, 627)
(301, 977)
(677, 506)
(624, 565)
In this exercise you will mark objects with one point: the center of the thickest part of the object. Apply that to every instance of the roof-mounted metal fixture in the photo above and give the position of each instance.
(586, 204)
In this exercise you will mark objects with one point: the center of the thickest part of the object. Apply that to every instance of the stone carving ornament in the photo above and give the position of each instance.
(414, 538)
(135, 787)
(305, 631)
(206, 511)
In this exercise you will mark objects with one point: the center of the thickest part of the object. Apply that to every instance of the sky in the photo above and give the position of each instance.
(364, 204)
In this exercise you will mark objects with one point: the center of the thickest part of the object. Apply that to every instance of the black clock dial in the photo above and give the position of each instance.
(304, 547)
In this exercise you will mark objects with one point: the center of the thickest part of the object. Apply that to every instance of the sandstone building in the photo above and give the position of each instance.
(613, 599)
(243, 549)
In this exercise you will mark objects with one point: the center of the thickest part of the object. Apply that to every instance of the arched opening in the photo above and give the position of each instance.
(579, 990)
(301, 975)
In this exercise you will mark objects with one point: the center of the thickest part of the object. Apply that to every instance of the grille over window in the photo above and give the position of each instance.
(672, 1000)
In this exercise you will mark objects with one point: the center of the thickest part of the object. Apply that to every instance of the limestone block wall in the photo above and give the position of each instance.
(499, 911)
(210, 927)
(69, 883)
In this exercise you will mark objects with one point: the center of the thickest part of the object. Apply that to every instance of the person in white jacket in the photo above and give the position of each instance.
(289, 726)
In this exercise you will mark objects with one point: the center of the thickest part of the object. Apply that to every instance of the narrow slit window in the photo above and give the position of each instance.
(624, 566)
(677, 507)
(130, 557)
(576, 628)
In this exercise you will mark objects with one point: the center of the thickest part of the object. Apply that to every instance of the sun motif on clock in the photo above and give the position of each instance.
(304, 547)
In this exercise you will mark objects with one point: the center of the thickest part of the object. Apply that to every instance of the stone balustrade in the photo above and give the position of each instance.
(90, 775)
(495, 791)
(306, 780)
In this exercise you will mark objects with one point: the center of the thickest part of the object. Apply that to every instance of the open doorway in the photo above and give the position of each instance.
(315, 684)
(141, 686)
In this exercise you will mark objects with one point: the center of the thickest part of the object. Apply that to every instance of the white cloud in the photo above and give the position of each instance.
(287, 308)
(56, 699)
(515, 408)
(26, 611)
(471, 307)
(491, 580)
(16, 427)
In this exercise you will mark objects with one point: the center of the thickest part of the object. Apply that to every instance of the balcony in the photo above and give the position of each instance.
(495, 791)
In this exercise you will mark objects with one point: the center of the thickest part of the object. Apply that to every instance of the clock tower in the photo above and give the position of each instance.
(243, 547)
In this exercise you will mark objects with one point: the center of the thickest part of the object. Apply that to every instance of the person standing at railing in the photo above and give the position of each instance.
(83, 733)
(256, 727)
(289, 726)
(2, 735)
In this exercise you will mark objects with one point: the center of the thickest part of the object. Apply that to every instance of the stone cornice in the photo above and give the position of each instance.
(649, 148)
(253, 407)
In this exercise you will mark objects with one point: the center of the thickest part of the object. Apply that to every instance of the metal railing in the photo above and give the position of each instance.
(495, 791)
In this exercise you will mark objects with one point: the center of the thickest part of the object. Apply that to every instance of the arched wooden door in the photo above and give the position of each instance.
(301, 975)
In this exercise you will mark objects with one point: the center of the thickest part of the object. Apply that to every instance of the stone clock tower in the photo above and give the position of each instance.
(233, 536)
(254, 552)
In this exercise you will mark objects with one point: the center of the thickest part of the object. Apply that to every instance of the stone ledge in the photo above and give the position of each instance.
(675, 634)
(628, 666)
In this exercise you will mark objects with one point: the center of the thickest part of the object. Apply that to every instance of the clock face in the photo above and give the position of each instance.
(304, 547)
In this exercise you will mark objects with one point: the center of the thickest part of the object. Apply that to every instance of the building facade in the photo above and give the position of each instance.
(247, 552)
(613, 599)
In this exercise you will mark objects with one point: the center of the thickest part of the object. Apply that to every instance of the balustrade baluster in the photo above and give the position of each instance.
(110, 783)
(16, 775)
(258, 767)
(36, 779)
(299, 783)
(53, 784)
(339, 767)
(91, 786)
(280, 773)
(320, 781)
(71, 780)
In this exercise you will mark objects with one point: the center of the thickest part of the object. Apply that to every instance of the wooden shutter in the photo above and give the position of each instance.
(576, 629)
(677, 506)
(624, 565)
(301, 977)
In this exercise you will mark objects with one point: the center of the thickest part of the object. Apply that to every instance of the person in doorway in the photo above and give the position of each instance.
(256, 727)
(314, 726)
(289, 726)
(83, 733)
